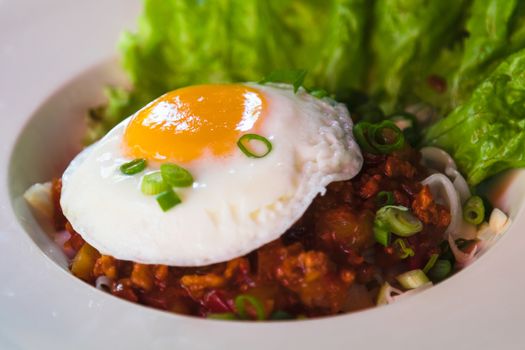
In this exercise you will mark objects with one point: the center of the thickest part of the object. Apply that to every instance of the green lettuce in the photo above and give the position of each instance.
(407, 37)
(496, 29)
(490, 31)
(486, 134)
(186, 42)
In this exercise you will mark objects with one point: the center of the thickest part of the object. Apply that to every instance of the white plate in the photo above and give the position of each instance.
(43, 46)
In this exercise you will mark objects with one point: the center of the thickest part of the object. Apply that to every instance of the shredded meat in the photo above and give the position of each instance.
(428, 211)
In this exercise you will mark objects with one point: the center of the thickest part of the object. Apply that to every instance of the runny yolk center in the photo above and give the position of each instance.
(185, 124)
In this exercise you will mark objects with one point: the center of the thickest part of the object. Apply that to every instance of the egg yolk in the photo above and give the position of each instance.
(185, 124)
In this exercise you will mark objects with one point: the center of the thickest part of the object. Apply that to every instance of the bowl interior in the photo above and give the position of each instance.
(50, 140)
(55, 133)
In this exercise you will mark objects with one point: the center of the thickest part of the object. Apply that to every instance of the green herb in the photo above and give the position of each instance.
(430, 263)
(398, 220)
(153, 183)
(386, 137)
(244, 141)
(281, 315)
(361, 131)
(412, 279)
(385, 198)
(404, 251)
(474, 210)
(383, 138)
(134, 167)
(175, 175)
(407, 123)
(257, 306)
(319, 93)
(168, 199)
(294, 77)
(381, 234)
(222, 316)
(440, 271)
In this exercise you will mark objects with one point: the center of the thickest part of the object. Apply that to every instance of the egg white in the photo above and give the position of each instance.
(236, 204)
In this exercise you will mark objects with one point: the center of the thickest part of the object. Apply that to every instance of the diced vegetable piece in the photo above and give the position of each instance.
(84, 262)
(413, 279)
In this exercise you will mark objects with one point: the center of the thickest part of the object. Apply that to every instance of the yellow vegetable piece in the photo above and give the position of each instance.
(84, 262)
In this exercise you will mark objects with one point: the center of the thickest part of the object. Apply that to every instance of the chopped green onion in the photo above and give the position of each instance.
(404, 251)
(175, 175)
(440, 271)
(398, 220)
(385, 144)
(474, 210)
(168, 199)
(133, 167)
(412, 279)
(381, 234)
(153, 183)
(281, 315)
(245, 139)
(430, 263)
(240, 306)
(382, 138)
(385, 198)
(294, 77)
(319, 93)
(361, 132)
(222, 316)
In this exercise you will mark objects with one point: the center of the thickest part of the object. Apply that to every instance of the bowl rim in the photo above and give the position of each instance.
(34, 305)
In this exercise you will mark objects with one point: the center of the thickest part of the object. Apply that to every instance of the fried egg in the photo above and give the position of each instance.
(237, 203)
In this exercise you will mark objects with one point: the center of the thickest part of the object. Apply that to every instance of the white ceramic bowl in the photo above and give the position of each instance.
(55, 58)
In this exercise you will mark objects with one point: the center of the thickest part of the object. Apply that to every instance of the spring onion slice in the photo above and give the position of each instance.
(319, 93)
(168, 199)
(361, 131)
(412, 279)
(222, 316)
(240, 306)
(380, 143)
(385, 198)
(153, 183)
(134, 167)
(404, 251)
(474, 210)
(294, 77)
(175, 175)
(381, 234)
(281, 315)
(245, 139)
(398, 220)
(430, 263)
(440, 271)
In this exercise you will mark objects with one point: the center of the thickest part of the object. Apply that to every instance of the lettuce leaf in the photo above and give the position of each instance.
(496, 29)
(491, 30)
(407, 37)
(486, 134)
(186, 42)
